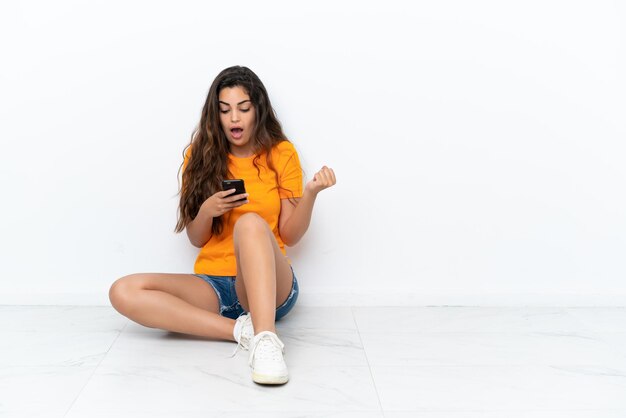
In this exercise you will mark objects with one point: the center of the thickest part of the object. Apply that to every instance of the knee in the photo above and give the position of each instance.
(250, 223)
(120, 292)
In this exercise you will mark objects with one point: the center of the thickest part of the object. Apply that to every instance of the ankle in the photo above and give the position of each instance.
(261, 329)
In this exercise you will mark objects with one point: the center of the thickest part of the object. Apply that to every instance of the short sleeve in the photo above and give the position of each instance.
(289, 171)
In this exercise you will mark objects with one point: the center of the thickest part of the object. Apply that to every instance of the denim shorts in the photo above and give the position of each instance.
(230, 307)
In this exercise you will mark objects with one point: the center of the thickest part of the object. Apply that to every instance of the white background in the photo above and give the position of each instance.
(479, 146)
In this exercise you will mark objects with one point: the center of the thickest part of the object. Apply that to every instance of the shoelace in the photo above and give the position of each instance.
(236, 349)
(248, 319)
(266, 347)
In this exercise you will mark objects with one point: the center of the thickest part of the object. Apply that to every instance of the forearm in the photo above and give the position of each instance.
(199, 230)
(299, 221)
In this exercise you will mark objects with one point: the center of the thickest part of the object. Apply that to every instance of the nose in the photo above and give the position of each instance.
(234, 116)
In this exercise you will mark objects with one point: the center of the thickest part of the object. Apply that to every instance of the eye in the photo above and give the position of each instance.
(224, 111)
(245, 110)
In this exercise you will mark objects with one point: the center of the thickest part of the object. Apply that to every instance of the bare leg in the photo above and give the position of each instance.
(264, 278)
(176, 302)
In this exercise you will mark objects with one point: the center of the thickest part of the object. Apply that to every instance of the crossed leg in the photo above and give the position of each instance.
(175, 302)
(187, 304)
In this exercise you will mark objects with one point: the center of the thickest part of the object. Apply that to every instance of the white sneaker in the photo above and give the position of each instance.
(246, 333)
(266, 359)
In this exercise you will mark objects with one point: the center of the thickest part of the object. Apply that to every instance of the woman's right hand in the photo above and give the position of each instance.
(224, 201)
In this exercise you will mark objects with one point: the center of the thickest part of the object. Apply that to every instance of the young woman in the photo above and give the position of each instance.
(243, 281)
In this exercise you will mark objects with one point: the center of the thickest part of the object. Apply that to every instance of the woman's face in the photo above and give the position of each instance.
(237, 117)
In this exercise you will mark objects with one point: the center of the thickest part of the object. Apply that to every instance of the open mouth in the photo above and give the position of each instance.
(237, 133)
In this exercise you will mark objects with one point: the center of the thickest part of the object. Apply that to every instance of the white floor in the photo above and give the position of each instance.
(344, 362)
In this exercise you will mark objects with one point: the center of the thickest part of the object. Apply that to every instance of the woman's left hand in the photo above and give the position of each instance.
(323, 179)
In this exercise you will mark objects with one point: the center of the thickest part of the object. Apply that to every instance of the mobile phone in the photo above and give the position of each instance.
(236, 184)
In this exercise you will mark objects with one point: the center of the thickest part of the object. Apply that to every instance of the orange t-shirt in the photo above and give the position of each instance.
(217, 256)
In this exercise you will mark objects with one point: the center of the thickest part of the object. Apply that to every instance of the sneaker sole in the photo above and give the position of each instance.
(266, 379)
